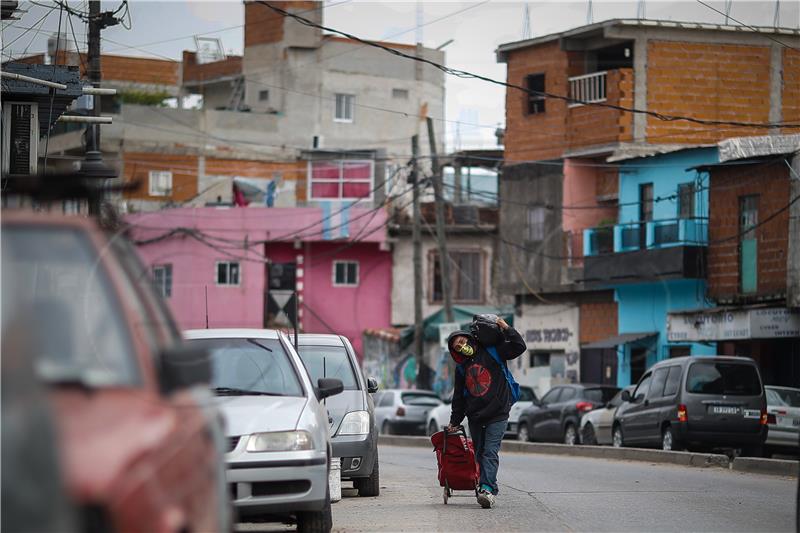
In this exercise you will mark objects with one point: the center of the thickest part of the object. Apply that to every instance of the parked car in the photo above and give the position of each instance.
(404, 411)
(526, 398)
(783, 417)
(130, 430)
(697, 403)
(354, 435)
(596, 425)
(439, 418)
(556, 417)
(279, 446)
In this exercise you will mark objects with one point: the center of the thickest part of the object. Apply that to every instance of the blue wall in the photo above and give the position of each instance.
(665, 172)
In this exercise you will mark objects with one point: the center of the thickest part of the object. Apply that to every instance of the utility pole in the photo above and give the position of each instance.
(419, 343)
(94, 74)
(444, 258)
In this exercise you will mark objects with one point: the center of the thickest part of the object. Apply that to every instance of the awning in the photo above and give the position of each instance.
(625, 338)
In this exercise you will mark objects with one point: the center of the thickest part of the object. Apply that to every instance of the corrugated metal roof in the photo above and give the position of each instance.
(635, 151)
(765, 145)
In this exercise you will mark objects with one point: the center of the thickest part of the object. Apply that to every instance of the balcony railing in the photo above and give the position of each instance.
(588, 88)
(631, 236)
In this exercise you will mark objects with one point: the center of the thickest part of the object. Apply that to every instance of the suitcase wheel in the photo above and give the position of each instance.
(446, 492)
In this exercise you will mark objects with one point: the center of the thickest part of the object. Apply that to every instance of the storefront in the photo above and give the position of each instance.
(770, 335)
(551, 333)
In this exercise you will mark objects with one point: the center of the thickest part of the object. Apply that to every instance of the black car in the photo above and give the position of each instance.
(696, 403)
(557, 416)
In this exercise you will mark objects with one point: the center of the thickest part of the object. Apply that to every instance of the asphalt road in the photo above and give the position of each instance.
(550, 493)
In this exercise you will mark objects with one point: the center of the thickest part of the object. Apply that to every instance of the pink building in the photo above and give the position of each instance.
(240, 267)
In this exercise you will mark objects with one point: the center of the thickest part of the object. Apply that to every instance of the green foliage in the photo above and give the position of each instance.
(143, 97)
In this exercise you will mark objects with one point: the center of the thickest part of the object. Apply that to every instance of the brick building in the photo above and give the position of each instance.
(562, 152)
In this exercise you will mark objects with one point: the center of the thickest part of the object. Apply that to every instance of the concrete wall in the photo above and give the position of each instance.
(403, 272)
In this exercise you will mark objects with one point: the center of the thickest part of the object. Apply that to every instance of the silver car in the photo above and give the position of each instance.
(404, 411)
(279, 447)
(783, 417)
(351, 413)
(596, 425)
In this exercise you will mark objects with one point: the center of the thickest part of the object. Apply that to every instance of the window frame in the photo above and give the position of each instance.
(687, 190)
(150, 181)
(238, 278)
(352, 106)
(340, 180)
(532, 103)
(167, 267)
(261, 93)
(539, 211)
(346, 262)
(399, 93)
(433, 257)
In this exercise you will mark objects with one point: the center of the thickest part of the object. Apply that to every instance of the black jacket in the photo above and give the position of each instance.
(481, 391)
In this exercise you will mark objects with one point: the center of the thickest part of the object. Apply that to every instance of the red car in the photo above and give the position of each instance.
(140, 445)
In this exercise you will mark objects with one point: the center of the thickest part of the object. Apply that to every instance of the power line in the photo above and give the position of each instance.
(469, 75)
(753, 28)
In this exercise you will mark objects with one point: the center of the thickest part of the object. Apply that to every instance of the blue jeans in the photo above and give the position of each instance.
(487, 439)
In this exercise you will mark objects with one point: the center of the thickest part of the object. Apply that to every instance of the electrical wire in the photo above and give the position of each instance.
(470, 75)
(52, 91)
(753, 28)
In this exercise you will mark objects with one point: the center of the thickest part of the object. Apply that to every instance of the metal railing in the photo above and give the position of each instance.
(588, 88)
(630, 236)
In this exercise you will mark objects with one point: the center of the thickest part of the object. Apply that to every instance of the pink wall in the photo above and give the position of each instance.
(220, 234)
(580, 190)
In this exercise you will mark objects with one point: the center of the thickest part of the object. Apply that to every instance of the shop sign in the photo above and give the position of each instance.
(733, 325)
(774, 323)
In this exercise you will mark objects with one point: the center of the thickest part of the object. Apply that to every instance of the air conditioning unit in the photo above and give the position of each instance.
(20, 138)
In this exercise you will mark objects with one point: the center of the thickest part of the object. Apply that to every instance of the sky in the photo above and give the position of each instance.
(165, 29)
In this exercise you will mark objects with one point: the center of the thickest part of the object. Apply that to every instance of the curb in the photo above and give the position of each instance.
(752, 465)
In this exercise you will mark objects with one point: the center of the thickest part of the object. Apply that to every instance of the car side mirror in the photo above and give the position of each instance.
(327, 387)
(372, 385)
(184, 366)
(626, 396)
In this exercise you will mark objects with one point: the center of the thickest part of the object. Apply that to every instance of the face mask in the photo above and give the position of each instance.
(467, 350)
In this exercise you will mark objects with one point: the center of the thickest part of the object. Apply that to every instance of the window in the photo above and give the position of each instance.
(731, 379)
(263, 96)
(227, 273)
(526, 394)
(345, 273)
(160, 182)
(349, 179)
(534, 102)
(329, 362)
(539, 359)
(162, 279)
(552, 395)
(679, 351)
(659, 380)
(686, 193)
(466, 277)
(673, 381)
(536, 217)
(642, 387)
(401, 94)
(387, 400)
(568, 394)
(344, 107)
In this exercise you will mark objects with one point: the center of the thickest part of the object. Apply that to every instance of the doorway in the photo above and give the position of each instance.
(638, 363)
(645, 212)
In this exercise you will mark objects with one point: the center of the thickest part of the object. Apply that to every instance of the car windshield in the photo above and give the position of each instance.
(258, 366)
(60, 308)
(783, 397)
(329, 362)
(600, 394)
(415, 398)
(731, 379)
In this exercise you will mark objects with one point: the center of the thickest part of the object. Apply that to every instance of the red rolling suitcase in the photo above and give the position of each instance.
(455, 456)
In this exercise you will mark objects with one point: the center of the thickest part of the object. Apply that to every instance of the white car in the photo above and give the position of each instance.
(783, 410)
(596, 425)
(439, 417)
(279, 446)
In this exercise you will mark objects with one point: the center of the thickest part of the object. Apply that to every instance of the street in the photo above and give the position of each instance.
(549, 493)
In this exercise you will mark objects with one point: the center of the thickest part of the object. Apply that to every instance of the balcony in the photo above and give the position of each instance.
(589, 88)
(590, 127)
(637, 251)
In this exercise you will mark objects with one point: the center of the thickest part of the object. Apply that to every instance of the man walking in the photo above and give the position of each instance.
(483, 393)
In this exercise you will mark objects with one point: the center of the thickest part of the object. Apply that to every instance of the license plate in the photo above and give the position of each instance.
(751, 413)
(787, 421)
(724, 410)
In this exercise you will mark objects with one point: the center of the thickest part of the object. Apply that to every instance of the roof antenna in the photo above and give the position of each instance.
(640, 10)
(589, 13)
(777, 20)
(728, 5)
(526, 22)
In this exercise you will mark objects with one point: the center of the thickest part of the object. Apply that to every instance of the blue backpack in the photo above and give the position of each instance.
(512, 384)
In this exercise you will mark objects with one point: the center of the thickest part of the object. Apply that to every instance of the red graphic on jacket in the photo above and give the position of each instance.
(479, 380)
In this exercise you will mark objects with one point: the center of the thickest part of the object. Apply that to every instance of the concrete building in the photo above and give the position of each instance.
(557, 180)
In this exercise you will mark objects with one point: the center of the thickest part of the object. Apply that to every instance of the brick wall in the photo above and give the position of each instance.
(192, 71)
(264, 26)
(791, 87)
(718, 82)
(770, 181)
(591, 125)
(124, 68)
(598, 321)
(184, 174)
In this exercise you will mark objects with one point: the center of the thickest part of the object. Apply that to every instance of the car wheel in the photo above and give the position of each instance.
(570, 435)
(588, 435)
(522, 433)
(386, 429)
(616, 438)
(668, 440)
(432, 428)
(371, 486)
(316, 521)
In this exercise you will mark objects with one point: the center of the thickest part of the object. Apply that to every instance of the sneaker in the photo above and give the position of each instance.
(485, 499)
